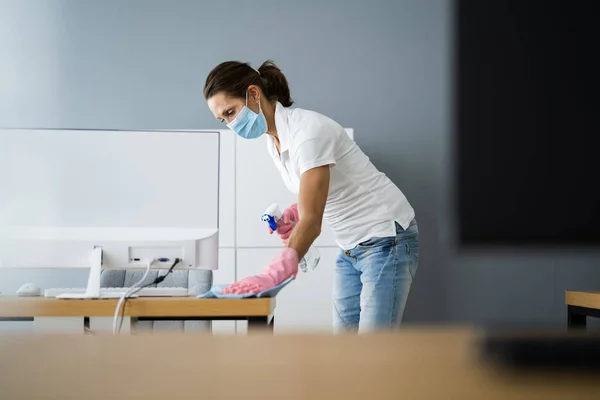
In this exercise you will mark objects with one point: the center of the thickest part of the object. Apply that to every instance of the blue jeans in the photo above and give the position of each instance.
(372, 282)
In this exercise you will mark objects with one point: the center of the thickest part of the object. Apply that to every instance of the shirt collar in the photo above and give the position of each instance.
(281, 124)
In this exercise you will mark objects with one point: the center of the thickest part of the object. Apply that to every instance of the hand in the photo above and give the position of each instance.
(289, 219)
(279, 269)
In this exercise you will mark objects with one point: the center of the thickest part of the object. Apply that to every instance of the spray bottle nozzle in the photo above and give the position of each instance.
(270, 220)
(272, 215)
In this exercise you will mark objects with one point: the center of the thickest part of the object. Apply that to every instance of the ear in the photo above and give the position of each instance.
(253, 94)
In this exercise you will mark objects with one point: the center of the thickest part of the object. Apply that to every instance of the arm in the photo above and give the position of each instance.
(314, 155)
(314, 188)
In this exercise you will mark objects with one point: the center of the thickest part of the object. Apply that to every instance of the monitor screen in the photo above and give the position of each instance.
(526, 113)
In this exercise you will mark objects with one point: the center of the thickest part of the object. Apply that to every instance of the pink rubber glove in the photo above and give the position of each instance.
(289, 219)
(279, 269)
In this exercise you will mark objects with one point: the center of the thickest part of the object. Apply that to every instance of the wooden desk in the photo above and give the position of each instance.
(413, 364)
(258, 312)
(581, 305)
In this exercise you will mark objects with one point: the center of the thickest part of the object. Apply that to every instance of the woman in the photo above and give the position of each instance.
(371, 219)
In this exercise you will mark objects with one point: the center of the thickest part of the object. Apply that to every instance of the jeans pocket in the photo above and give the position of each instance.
(412, 252)
(378, 244)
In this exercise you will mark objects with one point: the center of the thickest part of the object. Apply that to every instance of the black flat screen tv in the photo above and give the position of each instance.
(526, 112)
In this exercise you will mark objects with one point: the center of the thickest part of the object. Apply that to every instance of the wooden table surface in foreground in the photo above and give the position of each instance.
(13, 306)
(414, 364)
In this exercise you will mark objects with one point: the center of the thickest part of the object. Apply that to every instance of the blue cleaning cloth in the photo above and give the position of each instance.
(217, 292)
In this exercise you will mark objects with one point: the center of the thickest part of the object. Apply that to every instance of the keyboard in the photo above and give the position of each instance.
(145, 292)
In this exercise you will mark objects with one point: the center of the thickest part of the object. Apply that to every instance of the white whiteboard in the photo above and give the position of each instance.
(109, 178)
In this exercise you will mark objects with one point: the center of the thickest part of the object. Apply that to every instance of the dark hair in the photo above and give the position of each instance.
(234, 77)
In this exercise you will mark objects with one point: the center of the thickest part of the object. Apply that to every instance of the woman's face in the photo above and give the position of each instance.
(225, 108)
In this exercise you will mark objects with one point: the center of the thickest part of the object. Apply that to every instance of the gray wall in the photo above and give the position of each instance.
(379, 66)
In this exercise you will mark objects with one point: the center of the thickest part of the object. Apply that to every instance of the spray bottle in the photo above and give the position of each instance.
(310, 261)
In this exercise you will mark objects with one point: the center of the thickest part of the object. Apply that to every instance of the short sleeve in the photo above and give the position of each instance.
(314, 149)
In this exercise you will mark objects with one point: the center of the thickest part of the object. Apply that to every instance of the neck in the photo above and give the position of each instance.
(269, 112)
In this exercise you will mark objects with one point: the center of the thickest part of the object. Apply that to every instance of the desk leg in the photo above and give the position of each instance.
(575, 318)
(261, 324)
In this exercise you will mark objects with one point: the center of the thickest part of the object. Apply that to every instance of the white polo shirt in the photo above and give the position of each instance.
(362, 202)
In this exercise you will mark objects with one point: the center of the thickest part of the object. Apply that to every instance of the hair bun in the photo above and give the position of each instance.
(276, 84)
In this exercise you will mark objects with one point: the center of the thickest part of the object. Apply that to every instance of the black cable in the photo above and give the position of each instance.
(156, 281)
(159, 279)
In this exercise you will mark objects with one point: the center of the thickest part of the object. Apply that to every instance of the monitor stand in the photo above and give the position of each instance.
(92, 290)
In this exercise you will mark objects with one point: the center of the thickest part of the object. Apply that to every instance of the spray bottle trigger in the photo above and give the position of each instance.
(272, 223)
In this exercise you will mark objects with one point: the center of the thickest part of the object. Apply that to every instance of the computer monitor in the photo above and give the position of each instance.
(526, 116)
(107, 199)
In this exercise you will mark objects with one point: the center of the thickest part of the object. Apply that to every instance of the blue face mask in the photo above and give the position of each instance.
(248, 124)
